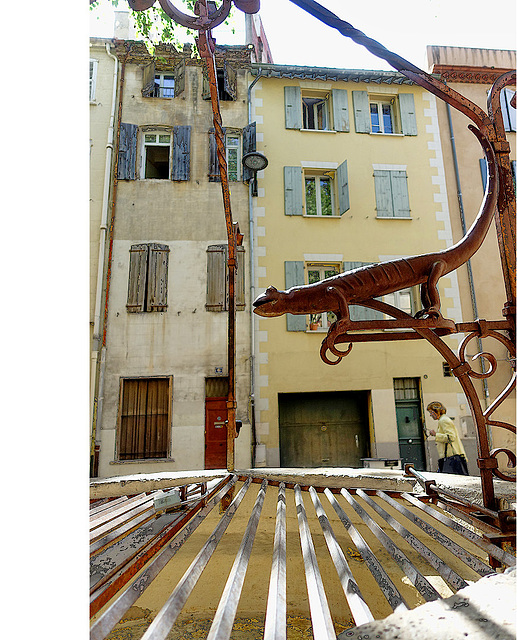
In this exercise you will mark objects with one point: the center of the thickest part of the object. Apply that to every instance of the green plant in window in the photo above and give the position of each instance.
(310, 197)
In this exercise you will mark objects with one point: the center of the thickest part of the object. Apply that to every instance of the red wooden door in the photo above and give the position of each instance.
(215, 433)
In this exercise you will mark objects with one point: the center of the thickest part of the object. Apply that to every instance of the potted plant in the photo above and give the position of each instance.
(315, 321)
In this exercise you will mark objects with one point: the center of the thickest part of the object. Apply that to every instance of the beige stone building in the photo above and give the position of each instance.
(472, 72)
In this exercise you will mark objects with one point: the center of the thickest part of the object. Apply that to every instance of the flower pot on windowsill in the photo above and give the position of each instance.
(314, 326)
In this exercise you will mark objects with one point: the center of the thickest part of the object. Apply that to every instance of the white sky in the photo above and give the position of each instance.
(403, 26)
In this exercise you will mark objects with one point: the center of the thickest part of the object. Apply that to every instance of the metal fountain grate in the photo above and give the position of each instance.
(363, 553)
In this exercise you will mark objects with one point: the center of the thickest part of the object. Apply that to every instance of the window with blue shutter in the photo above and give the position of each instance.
(391, 194)
(126, 166)
(340, 110)
(294, 275)
(407, 114)
(293, 191)
(181, 153)
(342, 185)
(361, 105)
(293, 107)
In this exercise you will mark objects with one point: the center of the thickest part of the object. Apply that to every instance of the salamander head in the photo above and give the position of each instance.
(269, 304)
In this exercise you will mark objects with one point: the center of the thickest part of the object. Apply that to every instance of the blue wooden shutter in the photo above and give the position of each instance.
(293, 107)
(407, 114)
(482, 166)
(249, 144)
(361, 111)
(127, 152)
(383, 197)
(157, 276)
(342, 186)
(179, 78)
(294, 275)
(340, 110)
(181, 153)
(357, 312)
(400, 194)
(293, 191)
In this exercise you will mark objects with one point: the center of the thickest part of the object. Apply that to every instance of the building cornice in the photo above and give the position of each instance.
(324, 73)
(468, 74)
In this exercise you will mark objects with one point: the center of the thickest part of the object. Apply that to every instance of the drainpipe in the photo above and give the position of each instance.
(486, 393)
(252, 279)
(96, 402)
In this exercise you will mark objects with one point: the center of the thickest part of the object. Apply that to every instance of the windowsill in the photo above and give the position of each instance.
(142, 461)
(393, 218)
(391, 135)
(320, 130)
(332, 217)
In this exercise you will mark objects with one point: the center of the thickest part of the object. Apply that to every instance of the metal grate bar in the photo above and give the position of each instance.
(106, 503)
(130, 595)
(162, 624)
(437, 563)
(358, 607)
(122, 519)
(490, 548)
(276, 612)
(225, 615)
(390, 591)
(421, 583)
(470, 560)
(322, 625)
(121, 532)
(98, 519)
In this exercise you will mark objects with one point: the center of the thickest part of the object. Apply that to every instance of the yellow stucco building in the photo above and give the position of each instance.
(356, 176)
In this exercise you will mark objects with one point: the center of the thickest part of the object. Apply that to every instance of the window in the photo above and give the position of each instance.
(319, 195)
(447, 371)
(315, 273)
(316, 110)
(93, 78)
(232, 138)
(507, 110)
(403, 300)
(156, 155)
(163, 86)
(144, 418)
(391, 193)
(381, 117)
(384, 114)
(226, 83)
(148, 273)
(217, 278)
(312, 192)
(406, 388)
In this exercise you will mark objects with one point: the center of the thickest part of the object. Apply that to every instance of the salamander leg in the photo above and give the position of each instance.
(339, 327)
(429, 293)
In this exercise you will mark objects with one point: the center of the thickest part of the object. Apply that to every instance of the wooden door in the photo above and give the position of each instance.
(216, 416)
(327, 429)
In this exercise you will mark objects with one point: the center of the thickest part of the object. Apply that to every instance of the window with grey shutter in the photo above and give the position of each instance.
(293, 191)
(217, 278)
(293, 107)
(361, 111)
(230, 81)
(391, 194)
(294, 275)
(148, 273)
(179, 78)
(356, 311)
(181, 153)
(342, 186)
(214, 174)
(148, 80)
(340, 110)
(249, 144)
(126, 169)
(407, 114)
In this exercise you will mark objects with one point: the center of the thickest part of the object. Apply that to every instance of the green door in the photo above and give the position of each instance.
(409, 427)
(328, 429)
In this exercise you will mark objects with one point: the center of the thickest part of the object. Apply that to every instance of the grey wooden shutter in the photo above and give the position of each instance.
(383, 197)
(340, 110)
(249, 144)
(293, 191)
(342, 186)
(293, 107)
(240, 283)
(205, 91)
(127, 152)
(214, 173)
(137, 278)
(407, 114)
(179, 78)
(361, 111)
(216, 277)
(157, 274)
(181, 153)
(230, 80)
(148, 80)
(294, 275)
(482, 166)
(356, 311)
(400, 194)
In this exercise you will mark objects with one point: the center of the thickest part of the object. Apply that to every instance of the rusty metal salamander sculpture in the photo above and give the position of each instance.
(365, 283)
